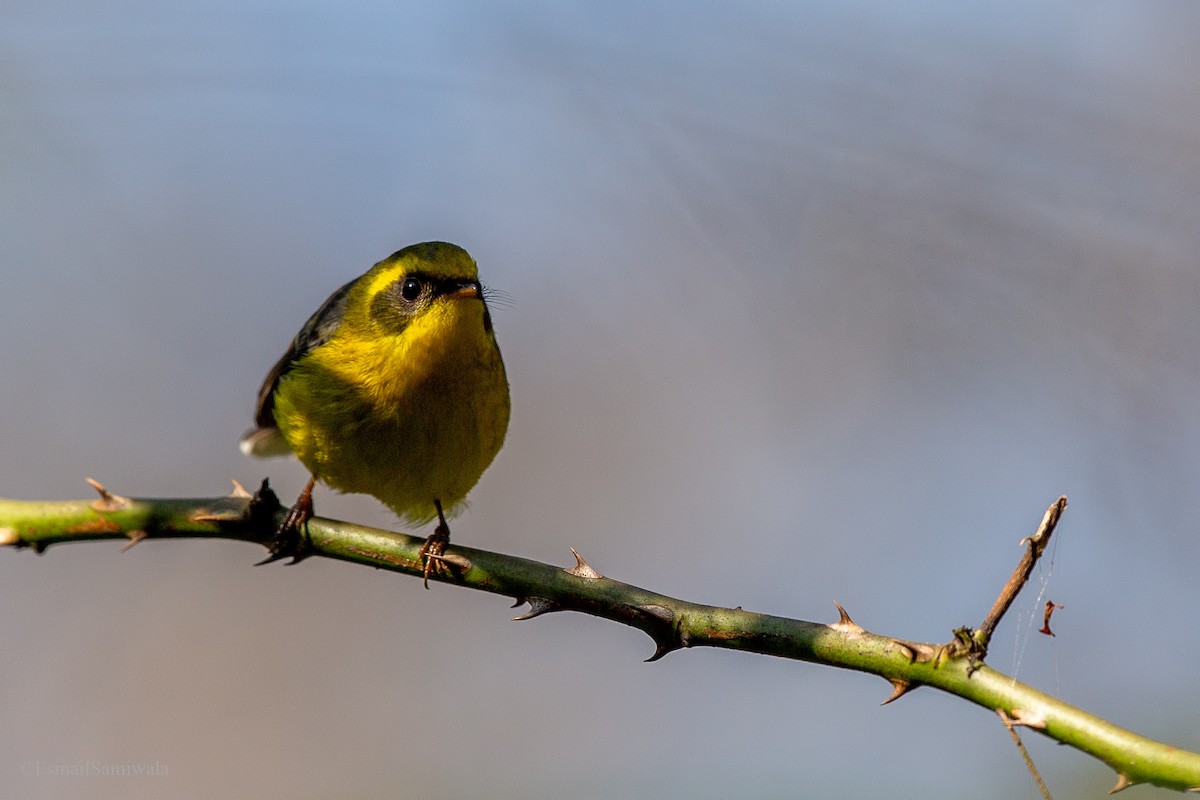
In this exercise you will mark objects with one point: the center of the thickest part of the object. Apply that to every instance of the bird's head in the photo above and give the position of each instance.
(421, 282)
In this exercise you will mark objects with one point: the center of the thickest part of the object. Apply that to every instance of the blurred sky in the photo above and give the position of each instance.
(810, 302)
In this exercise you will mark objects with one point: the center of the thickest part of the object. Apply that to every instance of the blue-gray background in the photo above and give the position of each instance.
(810, 302)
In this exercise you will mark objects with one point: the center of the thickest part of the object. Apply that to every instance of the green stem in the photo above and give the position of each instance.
(671, 623)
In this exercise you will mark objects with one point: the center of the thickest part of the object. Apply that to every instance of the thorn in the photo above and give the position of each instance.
(657, 611)
(134, 538)
(1050, 607)
(661, 648)
(582, 569)
(537, 607)
(239, 491)
(917, 652)
(845, 624)
(1124, 782)
(520, 601)
(900, 687)
(1029, 718)
(107, 501)
(202, 515)
(1021, 716)
(212, 518)
(9, 537)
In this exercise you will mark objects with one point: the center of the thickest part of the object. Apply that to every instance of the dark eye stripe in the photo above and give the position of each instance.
(411, 286)
(449, 285)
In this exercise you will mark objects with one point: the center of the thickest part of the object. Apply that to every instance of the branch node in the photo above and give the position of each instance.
(582, 569)
(845, 624)
(900, 687)
(134, 536)
(537, 607)
(108, 501)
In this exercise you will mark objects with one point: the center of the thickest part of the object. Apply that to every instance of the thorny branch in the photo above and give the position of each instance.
(956, 668)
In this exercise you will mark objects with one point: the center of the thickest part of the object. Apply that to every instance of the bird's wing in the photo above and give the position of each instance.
(316, 332)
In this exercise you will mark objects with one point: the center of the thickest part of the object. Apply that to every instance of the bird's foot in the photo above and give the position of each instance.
(291, 537)
(435, 545)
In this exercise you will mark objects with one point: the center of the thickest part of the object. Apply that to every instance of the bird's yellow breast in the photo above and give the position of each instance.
(405, 416)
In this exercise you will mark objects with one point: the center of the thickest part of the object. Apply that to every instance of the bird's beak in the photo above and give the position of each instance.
(467, 290)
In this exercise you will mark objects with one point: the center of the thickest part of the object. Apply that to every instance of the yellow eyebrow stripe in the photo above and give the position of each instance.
(384, 279)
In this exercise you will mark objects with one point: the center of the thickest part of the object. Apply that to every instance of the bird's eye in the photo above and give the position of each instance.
(410, 290)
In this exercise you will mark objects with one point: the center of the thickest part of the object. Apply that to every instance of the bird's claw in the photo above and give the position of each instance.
(435, 545)
(292, 537)
(431, 552)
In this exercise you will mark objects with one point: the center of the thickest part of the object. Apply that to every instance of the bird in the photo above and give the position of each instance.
(394, 388)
